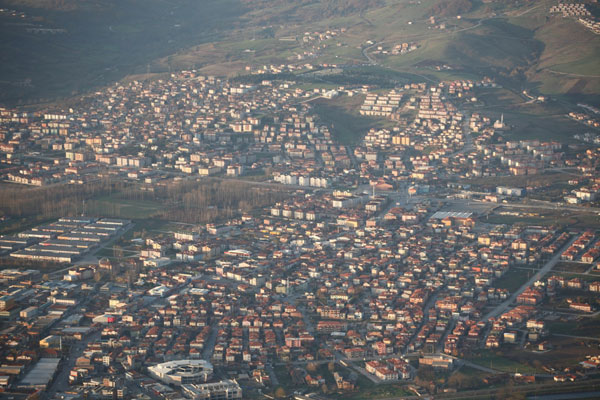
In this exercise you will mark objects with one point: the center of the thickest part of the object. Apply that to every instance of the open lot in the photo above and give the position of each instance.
(382, 391)
(342, 117)
(545, 217)
(571, 267)
(116, 206)
(566, 352)
(502, 361)
(513, 279)
(579, 326)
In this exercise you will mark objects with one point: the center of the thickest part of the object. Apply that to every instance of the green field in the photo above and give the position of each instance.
(537, 125)
(284, 378)
(565, 352)
(571, 267)
(108, 252)
(512, 279)
(512, 220)
(496, 360)
(472, 372)
(466, 378)
(546, 217)
(117, 207)
(584, 326)
(341, 115)
(545, 121)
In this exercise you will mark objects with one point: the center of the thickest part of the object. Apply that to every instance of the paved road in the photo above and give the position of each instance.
(61, 381)
(430, 303)
(480, 367)
(367, 56)
(209, 347)
(272, 376)
(577, 337)
(543, 271)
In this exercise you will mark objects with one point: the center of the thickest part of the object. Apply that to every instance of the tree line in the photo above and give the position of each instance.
(51, 201)
(205, 201)
(202, 201)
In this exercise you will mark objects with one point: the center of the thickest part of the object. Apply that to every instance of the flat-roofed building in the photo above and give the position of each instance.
(40, 375)
(180, 372)
(223, 390)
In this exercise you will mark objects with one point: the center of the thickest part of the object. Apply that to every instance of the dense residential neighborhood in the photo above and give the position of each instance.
(379, 265)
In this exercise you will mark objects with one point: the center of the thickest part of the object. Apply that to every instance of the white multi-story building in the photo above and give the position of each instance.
(223, 390)
(181, 372)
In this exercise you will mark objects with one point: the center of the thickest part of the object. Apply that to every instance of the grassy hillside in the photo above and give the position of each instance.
(516, 42)
(570, 59)
(98, 42)
(341, 115)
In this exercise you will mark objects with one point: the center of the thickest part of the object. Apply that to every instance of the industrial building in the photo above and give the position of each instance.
(63, 241)
(40, 375)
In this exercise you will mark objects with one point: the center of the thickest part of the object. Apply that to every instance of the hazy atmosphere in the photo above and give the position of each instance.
(299, 199)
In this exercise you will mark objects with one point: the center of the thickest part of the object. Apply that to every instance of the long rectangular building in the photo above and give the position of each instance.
(223, 390)
(65, 240)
